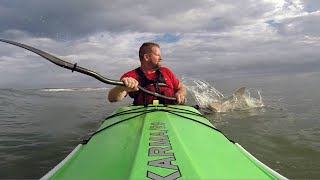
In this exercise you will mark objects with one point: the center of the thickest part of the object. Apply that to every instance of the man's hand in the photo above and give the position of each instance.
(181, 99)
(130, 83)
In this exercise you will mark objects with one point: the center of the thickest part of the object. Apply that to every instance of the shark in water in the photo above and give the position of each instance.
(238, 101)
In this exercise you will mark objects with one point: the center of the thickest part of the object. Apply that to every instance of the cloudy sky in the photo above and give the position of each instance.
(203, 39)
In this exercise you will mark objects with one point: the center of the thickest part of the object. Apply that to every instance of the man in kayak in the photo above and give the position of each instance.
(152, 76)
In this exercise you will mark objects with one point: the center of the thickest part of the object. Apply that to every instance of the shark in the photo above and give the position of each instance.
(238, 101)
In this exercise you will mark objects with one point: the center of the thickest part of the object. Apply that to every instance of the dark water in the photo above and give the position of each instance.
(39, 128)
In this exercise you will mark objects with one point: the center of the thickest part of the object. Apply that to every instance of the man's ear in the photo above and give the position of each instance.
(146, 57)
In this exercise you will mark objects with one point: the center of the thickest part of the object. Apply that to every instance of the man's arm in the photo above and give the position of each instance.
(119, 92)
(181, 94)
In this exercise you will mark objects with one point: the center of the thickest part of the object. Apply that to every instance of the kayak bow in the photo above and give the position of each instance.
(173, 142)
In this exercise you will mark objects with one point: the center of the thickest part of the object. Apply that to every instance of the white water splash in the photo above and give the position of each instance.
(206, 95)
(202, 91)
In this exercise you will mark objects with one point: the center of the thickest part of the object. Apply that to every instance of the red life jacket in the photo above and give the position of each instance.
(159, 86)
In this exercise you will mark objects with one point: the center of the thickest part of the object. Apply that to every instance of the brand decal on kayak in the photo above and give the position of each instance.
(158, 147)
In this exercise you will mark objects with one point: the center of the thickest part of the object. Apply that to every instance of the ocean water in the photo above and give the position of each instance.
(40, 127)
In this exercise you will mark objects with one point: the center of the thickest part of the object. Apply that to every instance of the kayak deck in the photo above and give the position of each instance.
(170, 142)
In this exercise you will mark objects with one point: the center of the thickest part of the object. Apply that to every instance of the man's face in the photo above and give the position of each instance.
(155, 57)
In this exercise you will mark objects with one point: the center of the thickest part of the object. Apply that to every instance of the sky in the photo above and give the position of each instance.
(203, 39)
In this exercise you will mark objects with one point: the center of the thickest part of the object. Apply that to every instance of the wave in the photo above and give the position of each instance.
(72, 89)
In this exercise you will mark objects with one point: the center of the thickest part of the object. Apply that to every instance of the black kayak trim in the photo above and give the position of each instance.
(143, 112)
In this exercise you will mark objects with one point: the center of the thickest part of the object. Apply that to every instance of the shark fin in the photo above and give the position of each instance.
(237, 94)
(240, 92)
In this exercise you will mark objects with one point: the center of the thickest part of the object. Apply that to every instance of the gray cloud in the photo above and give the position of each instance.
(198, 38)
(62, 19)
(74, 18)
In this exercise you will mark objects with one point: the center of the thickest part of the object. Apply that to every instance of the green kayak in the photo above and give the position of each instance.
(159, 142)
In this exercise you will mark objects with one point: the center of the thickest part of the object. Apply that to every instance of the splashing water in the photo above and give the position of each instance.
(209, 97)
